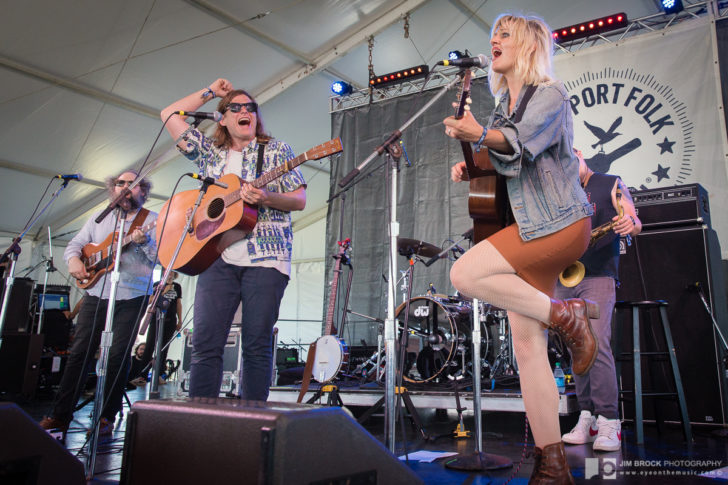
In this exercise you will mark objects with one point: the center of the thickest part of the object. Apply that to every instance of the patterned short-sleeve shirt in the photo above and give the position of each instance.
(271, 242)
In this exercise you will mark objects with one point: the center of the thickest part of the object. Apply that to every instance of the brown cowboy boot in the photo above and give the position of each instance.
(551, 467)
(570, 319)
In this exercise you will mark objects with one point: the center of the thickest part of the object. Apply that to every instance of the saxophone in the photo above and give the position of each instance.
(574, 273)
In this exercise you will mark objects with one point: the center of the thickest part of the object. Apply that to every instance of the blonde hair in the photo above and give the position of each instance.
(534, 51)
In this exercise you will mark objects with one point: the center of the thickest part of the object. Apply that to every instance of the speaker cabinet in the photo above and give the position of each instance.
(235, 441)
(30, 456)
(17, 317)
(674, 264)
(20, 357)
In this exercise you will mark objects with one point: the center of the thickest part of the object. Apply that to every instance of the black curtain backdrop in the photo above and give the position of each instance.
(721, 28)
(430, 207)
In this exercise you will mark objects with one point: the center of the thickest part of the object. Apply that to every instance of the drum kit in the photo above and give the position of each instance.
(440, 330)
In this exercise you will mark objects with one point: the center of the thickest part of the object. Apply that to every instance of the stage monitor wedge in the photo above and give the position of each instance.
(234, 441)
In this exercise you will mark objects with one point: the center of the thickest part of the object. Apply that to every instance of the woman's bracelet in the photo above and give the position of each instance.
(479, 143)
(208, 92)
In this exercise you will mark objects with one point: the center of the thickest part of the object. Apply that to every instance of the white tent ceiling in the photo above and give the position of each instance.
(83, 81)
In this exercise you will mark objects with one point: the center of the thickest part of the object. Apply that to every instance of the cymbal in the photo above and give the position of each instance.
(407, 247)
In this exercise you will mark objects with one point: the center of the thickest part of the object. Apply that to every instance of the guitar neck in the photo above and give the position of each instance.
(144, 229)
(279, 171)
(332, 297)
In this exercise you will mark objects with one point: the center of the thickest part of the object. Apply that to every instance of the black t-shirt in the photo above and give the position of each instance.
(171, 295)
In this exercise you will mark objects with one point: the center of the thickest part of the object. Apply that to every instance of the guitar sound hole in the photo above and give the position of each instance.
(215, 208)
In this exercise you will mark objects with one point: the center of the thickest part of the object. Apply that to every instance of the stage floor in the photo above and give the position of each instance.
(663, 458)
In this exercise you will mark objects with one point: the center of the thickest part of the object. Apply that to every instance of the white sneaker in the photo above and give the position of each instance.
(609, 436)
(585, 430)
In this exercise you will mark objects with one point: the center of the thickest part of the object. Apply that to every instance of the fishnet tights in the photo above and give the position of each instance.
(484, 274)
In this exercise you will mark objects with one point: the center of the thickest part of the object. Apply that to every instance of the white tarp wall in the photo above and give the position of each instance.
(655, 102)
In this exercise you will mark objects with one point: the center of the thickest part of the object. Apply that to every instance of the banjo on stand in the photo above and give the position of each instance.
(331, 352)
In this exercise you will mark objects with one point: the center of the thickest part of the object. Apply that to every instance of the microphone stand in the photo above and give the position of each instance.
(152, 306)
(456, 246)
(107, 335)
(13, 251)
(49, 269)
(389, 323)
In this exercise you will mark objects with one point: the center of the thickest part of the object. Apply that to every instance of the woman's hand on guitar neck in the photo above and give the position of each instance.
(459, 173)
(466, 128)
(76, 268)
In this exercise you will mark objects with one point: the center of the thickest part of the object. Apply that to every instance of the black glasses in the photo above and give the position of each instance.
(249, 107)
(121, 183)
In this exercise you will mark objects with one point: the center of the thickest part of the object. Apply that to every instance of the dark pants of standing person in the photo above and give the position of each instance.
(89, 326)
(220, 289)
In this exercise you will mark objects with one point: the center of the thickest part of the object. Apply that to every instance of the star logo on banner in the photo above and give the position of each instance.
(665, 146)
(661, 173)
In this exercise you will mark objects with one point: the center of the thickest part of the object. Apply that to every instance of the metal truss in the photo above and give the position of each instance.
(361, 97)
(643, 25)
(649, 23)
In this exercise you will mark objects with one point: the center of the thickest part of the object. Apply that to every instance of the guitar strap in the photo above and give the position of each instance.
(307, 371)
(140, 217)
(261, 150)
(530, 89)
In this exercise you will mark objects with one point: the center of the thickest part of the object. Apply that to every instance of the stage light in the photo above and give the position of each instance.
(671, 6)
(341, 88)
(399, 76)
(591, 27)
(454, 55)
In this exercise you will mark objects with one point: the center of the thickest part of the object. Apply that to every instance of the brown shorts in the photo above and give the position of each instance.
(540, 261)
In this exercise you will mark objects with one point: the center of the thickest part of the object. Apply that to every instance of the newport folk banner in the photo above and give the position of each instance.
(648, 109)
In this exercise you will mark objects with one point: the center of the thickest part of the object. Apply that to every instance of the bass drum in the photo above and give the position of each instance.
(439, 337)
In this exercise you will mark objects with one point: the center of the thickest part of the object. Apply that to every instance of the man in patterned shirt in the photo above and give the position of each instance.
(254, 270)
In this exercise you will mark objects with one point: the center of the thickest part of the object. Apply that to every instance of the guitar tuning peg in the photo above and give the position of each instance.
(466, 107)
(468, 100)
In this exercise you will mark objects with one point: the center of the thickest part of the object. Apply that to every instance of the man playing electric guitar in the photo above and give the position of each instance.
(255, 269)
(137, 261)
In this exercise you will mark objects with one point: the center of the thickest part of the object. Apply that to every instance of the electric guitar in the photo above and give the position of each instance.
(488, 199)
(331, 352)
(99, 258)
(222, 218)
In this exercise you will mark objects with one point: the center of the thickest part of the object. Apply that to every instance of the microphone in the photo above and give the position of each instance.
(466, 235)
(479, 61)
(693, 286)
(201, 115)
(69, 176)
(207, 180)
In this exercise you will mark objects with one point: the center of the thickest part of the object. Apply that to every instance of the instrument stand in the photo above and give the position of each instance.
(414, 415)
(460, 431)
(478, 460)
(332, 392)
(13, 251)
(389, 146)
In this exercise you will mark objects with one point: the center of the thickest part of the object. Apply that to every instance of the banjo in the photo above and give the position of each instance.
(331, 352)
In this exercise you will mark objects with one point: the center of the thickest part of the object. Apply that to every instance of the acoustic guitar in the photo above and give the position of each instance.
(331, 352)
(488, 199)
(100, 258)
(222, 218)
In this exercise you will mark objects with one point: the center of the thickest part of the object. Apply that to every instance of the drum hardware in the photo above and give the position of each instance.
(453, 247)
(503, 364)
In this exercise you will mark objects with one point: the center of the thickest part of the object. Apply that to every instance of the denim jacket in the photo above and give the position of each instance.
(542, 175)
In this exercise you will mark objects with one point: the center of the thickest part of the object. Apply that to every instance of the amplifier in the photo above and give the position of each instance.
(679, 205)
(231, 365)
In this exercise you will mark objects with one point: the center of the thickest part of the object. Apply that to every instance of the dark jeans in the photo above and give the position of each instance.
(220, 289)
(87, 337)
(597, 390)
(169, 327)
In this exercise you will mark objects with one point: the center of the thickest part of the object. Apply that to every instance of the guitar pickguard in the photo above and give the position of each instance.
(205, 228)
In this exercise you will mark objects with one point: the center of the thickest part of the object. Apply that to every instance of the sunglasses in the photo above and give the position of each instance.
(236, 107)
(122, 183)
